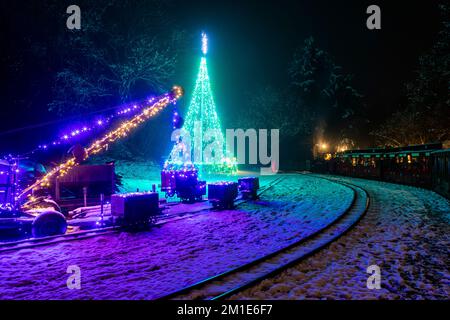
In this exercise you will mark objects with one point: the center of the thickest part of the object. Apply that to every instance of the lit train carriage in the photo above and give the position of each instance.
(366, 165)
(440, 172)
(407, 167)
(425, 166)
(358, 163)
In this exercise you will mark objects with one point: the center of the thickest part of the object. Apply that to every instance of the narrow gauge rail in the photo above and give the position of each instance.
(238, 279)
(79, 235)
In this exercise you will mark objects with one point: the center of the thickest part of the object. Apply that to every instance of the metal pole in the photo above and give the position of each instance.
(14, 184)
(85, 196)
(102, 200)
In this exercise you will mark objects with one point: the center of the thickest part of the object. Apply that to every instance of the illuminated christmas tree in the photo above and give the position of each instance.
(201, 140)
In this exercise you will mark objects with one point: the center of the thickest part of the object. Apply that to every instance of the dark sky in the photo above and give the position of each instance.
(252, 43)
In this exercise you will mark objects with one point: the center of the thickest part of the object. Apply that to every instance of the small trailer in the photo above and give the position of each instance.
(135, 211)
(222, 194)
(248, 187)
(184, 183)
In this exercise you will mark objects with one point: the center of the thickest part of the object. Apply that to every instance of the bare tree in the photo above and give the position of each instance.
(121, 51)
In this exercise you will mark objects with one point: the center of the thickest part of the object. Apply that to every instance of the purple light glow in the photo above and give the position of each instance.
(99, 124)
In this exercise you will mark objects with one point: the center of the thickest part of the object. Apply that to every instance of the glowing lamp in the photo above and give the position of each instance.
(204, 43)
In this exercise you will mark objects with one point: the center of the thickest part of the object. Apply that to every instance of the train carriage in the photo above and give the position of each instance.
(440, 172)
(424, 166)
(358, 163)
(407, 167)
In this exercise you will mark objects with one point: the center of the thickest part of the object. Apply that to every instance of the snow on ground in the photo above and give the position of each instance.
(148, 264)
(406, 233)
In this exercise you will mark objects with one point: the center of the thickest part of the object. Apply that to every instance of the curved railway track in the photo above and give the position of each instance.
(31, 243)
(235, 280)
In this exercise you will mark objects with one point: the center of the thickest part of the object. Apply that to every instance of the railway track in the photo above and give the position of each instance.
(79, 235)
(235, 280)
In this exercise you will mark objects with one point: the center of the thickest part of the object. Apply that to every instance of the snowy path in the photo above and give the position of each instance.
(146, 265)
(406, 232)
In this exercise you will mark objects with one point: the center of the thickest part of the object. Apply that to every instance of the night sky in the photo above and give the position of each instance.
(252, 43)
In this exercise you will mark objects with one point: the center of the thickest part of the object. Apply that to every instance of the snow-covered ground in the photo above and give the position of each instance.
(406, 233)
(148, 264)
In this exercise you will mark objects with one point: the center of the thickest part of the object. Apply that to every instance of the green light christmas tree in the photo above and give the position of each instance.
(201, 141)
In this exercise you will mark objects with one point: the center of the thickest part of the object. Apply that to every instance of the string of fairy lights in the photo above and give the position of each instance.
(152, 108)
(76, 133)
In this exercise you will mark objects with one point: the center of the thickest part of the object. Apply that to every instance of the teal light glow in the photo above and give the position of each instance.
(203, 126)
